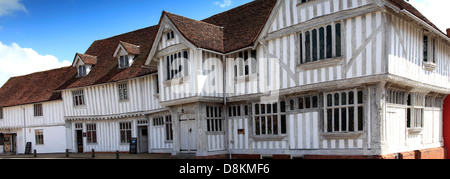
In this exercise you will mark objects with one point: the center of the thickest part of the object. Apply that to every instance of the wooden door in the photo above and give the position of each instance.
(188, 135)
(79, 141)
(143, 139)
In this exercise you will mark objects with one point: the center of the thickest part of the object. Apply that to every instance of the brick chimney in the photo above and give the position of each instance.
(448, 32)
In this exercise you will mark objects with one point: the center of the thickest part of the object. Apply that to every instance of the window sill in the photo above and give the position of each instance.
(269, 137)
(246, 78)
(176, 81)
(330, 62)
(429, 66)
(415, 130)
(342, 135)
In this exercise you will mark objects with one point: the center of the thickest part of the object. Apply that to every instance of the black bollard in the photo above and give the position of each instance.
(35, 153)
(67, 153)
(93, 153)
(117, 154)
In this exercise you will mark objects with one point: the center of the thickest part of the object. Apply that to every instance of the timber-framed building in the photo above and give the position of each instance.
(268, 79)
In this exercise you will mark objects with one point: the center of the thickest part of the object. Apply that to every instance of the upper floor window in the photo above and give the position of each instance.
(429, 49)
(248, 65)
(1, 113)
(123, 91)
(38, 110)
(82, 71)
(177, 65)
(170, 35)
(124, 61)
(321, 43)
(78, 97)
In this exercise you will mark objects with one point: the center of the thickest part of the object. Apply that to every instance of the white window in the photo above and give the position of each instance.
(39, 137)
(1, 113)
(123, 91)
(270, 119)
(124, 61)
(177, 65)
(125, 132)
(78, 98)
(344, 111)
(82, 71)
(214, 119)
(38, 110)
(415, 110)
(429, 49)
(246, 63)
(320, 43)
(169, 130)
(91, 133)
(170, 35)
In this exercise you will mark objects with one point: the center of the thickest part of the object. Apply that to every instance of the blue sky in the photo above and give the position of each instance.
(37, 35)
(52, 31)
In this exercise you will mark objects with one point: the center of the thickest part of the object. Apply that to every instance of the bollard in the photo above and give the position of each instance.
(117, 154)
(35, 153)
(67, 153)
(93, 153)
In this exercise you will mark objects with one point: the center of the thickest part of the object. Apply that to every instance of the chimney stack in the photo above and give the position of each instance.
(448, 32)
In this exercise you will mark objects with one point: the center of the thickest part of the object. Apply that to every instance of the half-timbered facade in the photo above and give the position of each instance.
(271, 78)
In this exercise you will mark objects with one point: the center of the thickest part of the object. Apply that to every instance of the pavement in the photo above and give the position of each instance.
(87, 156)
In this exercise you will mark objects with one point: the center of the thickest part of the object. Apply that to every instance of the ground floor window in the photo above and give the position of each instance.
(214, 119)
(125, 132)
(344, 111)
(270, 118)
(91, 133)
(39, 136)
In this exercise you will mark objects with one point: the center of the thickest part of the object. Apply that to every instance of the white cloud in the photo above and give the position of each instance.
(224, 3)
(9, 6)
(17, 61)
(436, 11)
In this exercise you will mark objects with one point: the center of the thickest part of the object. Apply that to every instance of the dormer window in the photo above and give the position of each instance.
(84, 64)
(124, 61)
(82, 71)
(125, 54)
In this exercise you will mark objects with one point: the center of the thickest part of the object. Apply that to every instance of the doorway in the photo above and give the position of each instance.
(188, 134)
(10, 144)
(143, 139)
(79, 141)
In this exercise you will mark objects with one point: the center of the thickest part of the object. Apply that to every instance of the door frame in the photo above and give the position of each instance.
(79, 135)
(188, 119)
(140, 143)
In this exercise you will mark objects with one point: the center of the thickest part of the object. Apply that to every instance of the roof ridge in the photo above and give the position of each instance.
(201, 21)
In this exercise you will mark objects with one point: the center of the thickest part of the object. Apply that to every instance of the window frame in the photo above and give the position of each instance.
(124, 61)
(82, 71)
(315, 44)
(415, 112)
(91, 131)
(1, 113)
(357, 108)
(123, 91)
(173, 59)
(39, 136)
(280, 129)
(215, 122)
(38, 110)
(125, 129)
(78, 98)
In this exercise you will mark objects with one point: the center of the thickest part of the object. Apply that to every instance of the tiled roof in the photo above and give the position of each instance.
(106, 70)
(130, 48)
(228, 31)
(35, 88)
(242, 25)
(88, 59)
